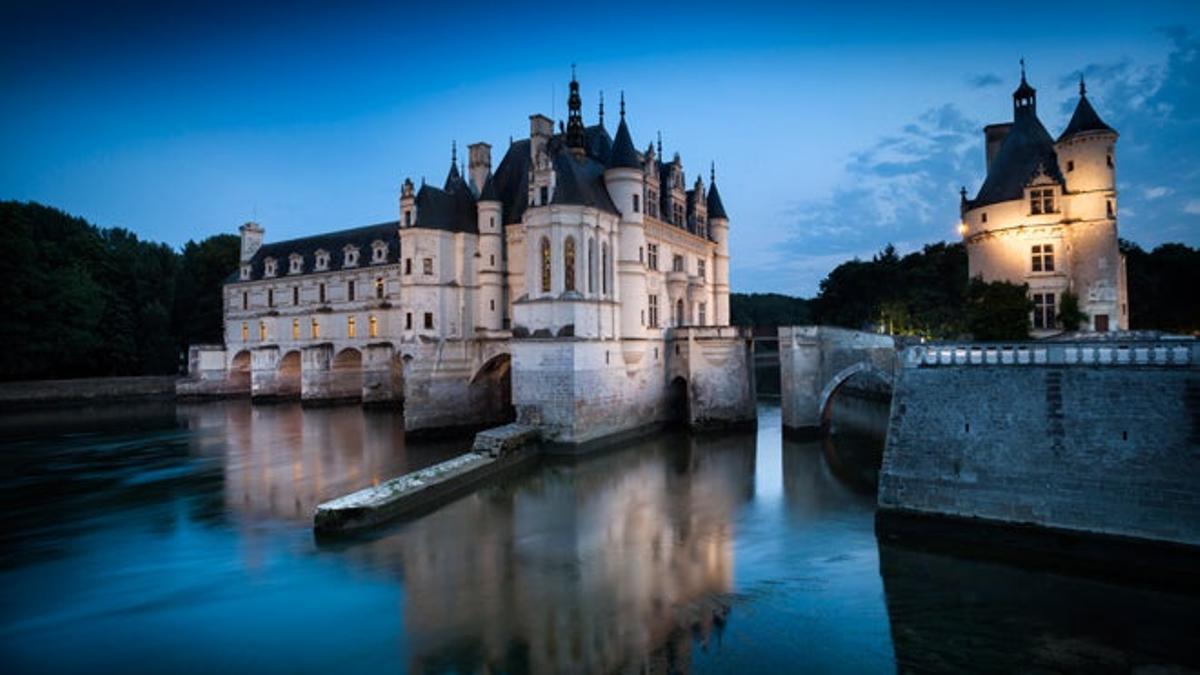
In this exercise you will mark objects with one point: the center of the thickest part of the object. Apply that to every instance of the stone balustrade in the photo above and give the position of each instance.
(1158, 353)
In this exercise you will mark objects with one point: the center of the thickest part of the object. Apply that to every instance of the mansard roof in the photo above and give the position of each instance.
(1027, 149)
(330, 242)
(578, 180)
(1084, 119)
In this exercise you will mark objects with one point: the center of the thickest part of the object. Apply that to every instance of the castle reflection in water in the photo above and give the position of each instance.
(597, 565)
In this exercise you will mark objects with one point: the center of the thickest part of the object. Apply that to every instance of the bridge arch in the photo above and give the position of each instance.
(239, 371)
(842, 377)
(346, 381)
(678, 402)
(288, 373)
(490, 389)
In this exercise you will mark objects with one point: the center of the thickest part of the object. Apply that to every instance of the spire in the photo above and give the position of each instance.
(454, 177)
(575, 131)
(1082, 86)
(712, 173)
(454, 152)
(715, 208)
(660, 146)
(1025, 97)
(623, 153)
(1084, 118)
(601, 107)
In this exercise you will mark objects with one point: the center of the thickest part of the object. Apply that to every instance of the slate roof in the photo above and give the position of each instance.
(715, 208)
(1084, 119)
(624, 155)
(451, 208)
(577, 180)
(1027, 147)
(330, 242)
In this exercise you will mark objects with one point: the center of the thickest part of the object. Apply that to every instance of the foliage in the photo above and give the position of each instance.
(918, 294)
(1070, 316)
(768, 309)
(998, 310)
(1162, 287)
(84, 301)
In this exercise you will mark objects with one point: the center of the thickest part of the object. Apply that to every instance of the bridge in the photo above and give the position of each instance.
(816, 361)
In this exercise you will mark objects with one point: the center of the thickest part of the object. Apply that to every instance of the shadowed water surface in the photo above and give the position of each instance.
(162, 538)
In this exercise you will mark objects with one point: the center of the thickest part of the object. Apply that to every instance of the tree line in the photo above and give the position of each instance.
(927, 293)
(84, 301)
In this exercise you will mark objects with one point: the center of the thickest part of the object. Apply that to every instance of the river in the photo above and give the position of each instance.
(164, 538)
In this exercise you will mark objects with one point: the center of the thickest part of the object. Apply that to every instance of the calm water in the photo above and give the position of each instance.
(163, 538)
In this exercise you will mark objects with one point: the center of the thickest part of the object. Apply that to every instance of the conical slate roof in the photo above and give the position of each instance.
(715, 208)
(1085, 119)
(1027, 149)
(623, 153)
(488, 193)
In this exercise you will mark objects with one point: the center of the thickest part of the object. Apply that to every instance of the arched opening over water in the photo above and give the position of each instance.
(289, 375)
(863, 379)
(346, 380)
(491, 390)
(239, 371)
(678, 411)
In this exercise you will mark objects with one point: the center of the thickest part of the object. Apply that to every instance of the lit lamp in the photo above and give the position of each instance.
(962, 229)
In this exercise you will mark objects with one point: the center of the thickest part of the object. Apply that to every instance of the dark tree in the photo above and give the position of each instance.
(998, 310)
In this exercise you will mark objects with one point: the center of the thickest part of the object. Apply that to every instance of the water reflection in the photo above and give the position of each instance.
(611, 563)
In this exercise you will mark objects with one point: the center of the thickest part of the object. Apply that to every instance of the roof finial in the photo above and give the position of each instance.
(454, 152)
(1082, 86)
(601, 107)
(660, 144)
(572, 72)
(1022, 68)
(712, 173)
(622, 104)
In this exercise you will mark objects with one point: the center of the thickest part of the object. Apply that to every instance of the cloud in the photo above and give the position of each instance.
(983, 80)
(1155, 192)
(1192, 207)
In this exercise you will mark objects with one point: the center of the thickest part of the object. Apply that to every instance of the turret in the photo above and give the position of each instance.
(1086, 150)
(626, 185)
(252, 238)
(408, 204)
(492, 306)
(575, 131)
(718, 228)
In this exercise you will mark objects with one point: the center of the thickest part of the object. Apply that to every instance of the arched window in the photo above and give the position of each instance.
(545, 265)
(262, 331)
(373, 327)
(351, 327)
(591, 265)
(569, 264)
(295, 329)
(245, 332)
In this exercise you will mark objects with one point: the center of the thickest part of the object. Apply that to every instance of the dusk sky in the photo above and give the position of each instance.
(834, 131)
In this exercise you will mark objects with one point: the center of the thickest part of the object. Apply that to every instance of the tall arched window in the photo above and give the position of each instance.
(591, 265)
(604, 268)
(545, 265)
(569, 264)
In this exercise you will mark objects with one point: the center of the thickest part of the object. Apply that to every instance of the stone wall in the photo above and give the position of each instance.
(1076, 436)
(98, 389)
(815, 360)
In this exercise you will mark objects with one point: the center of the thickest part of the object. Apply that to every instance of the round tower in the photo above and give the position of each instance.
(718, 226)
(492, 308)
(1087, 159)
(626, 185)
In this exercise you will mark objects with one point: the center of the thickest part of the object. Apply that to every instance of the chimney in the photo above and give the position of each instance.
(479, 165)
(541, 128)
(994, 135)
(252, 238)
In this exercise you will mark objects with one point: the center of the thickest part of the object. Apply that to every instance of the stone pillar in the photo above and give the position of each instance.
(719, 367)
(316, 373)
(264, 373)
(800, 379)
(383, 383)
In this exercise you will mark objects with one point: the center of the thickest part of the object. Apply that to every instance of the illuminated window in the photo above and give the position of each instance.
(379, 288)
(262, 331)
(1042, 258)
(545, 247)
(652, 256)
(351, 327)
(429, 320)
(295, 329)
(373, 327)
(1041, 201)
(316, 328)
(569, 264)
(1043, 310)
(245, 332)
(653, 311)
(427, 265)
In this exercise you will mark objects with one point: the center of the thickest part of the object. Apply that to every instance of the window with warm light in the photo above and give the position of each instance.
(295, 329)
(245, 332)
(351, 327)
(315, 329)
(262, 331)
(569, 264)
(372, 326)
(546, 270)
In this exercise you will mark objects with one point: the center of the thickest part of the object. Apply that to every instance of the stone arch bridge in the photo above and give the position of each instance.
(816, 361)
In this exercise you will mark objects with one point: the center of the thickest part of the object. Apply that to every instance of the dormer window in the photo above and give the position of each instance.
(246, 272)
(1041, 201)
(350, 256)
(269, 267)
(295, 263)
(544, 194)
(322, 260)
(379, 252)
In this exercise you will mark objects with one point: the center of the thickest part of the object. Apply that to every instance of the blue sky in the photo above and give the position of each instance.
(835, 130)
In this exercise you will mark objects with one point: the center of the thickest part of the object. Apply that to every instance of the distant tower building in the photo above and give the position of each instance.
(1046, 215)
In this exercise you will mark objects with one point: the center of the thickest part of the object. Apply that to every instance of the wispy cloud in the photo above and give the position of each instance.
(983, 80)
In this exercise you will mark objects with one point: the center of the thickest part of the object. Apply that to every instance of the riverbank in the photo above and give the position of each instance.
(50, 393)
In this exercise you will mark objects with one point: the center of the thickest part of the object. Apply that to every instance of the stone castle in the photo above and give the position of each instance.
(582, 286)
(1046, 215)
